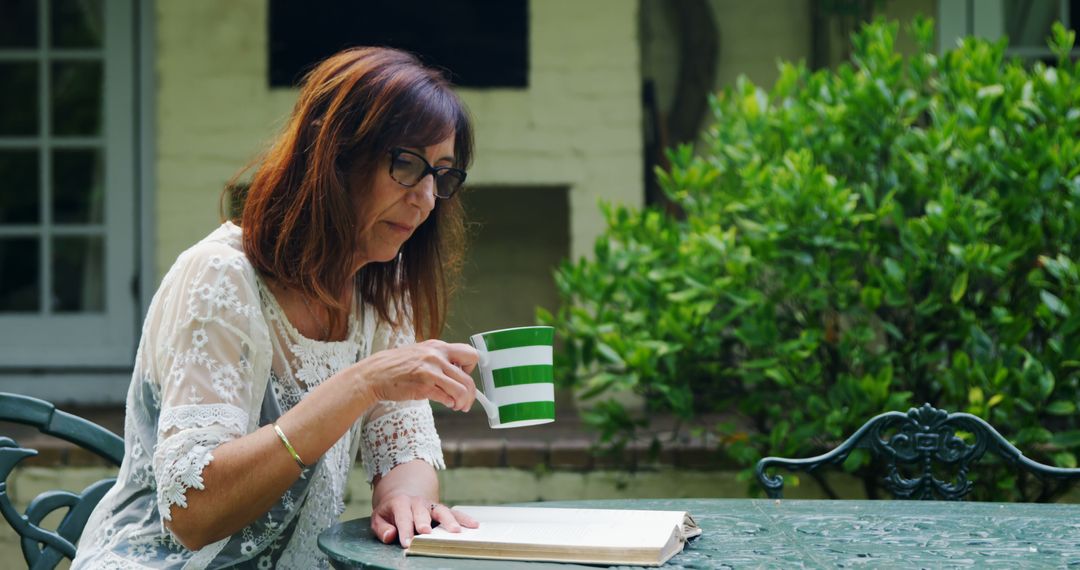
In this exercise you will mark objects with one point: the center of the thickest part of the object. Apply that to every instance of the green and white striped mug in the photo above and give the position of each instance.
(517, 379)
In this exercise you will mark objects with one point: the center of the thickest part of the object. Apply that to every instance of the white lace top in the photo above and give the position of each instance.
(217, 360)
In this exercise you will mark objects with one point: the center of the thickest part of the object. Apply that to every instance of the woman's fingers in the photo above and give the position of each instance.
(463, 355)
(461, 387)
(442, 384)
(403, 520)
(421, 515)
(465, 520)
(446, 518)
(436, 392)
(404, 517)
(382, 528)
(433, 369)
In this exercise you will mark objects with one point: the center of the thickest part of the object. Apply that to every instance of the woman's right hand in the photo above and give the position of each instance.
(433, 370)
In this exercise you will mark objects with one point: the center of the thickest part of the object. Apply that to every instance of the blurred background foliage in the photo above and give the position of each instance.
(894, 231)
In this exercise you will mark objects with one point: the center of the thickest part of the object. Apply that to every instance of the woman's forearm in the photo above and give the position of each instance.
(249, 475)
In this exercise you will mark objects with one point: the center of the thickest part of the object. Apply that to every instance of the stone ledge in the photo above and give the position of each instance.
(565, 445)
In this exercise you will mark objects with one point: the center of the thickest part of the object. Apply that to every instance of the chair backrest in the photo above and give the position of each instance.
(912, 444)
(44, 548)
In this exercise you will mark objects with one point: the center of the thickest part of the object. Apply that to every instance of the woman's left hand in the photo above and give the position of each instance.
(402, 516)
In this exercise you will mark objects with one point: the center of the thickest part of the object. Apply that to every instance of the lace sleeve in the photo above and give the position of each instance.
(393, 433)
(210, 366)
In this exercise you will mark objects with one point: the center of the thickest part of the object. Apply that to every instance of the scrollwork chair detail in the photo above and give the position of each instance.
(921, 438)
(44, 548)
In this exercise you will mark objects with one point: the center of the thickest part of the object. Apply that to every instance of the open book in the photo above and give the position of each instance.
(586, 536)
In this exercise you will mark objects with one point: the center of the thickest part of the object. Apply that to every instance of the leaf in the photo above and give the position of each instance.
(1061, 42)
(893, 270)
(544, 316)
(856, 459)
(1061, 408)
(749, 226)
(609, 353)
(959, 287)
(781, 377)
(1066, 439)
(760, 363)
(1000, 376)
(975, 396)
(1034, 435)
(597, 384)
(1054, 303)
(1046, 385)
(1065, 460)
(683, 296)
(871, 298)
(990, 92)
(893, 331)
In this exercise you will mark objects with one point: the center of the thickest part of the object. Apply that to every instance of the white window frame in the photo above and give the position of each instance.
(88, 357)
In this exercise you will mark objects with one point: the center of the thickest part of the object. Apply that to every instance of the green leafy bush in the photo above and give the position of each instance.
(896, 231)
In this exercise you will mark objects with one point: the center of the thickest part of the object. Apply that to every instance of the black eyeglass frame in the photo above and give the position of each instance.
(436, 171)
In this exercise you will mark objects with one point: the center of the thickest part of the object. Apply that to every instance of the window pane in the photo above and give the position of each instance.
(18, 98)
(76, 98)
(77, 186)
(1028, 22)
(19, 189)
(18, 23)
(76, 23)
(20, 289)
(77, 276)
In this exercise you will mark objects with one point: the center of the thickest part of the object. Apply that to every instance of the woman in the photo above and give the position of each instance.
(284, 341)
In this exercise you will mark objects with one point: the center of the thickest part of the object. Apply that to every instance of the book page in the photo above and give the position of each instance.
(597, 528)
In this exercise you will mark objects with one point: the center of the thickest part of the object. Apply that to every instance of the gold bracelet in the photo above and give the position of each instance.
(288, 446)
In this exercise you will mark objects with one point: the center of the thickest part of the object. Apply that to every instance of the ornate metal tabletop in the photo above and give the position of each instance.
(752, 533)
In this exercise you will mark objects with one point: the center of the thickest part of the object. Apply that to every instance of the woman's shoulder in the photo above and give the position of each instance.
(212, 278)
(222, 248)
(218, 254)
(224, 243)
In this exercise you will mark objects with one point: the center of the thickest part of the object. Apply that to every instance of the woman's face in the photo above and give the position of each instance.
(391, 212)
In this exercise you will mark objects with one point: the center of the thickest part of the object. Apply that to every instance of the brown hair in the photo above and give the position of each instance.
(299, 217)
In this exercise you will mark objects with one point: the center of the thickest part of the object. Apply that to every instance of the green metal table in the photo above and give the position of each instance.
(755, 533)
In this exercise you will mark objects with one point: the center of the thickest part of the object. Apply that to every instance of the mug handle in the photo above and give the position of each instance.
(489, 407)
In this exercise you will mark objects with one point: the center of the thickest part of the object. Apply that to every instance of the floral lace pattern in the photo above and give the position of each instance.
(112, 561)
(217, 360)
(192, 416)
(400, 436)
(179, 461)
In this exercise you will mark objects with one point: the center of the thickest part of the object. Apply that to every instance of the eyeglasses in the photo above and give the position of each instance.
(409, 168)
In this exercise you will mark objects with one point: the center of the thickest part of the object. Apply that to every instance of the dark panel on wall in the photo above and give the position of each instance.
(483, 43)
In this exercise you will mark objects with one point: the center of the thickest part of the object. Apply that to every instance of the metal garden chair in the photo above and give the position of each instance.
(44, 548)
(915, 447)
